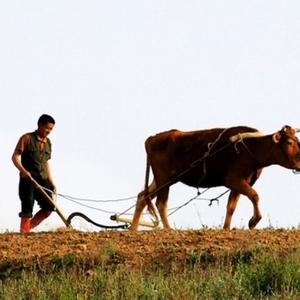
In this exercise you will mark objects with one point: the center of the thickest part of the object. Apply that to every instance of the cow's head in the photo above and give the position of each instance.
(289, 144)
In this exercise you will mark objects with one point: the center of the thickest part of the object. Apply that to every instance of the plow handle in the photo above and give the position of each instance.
(50, 200)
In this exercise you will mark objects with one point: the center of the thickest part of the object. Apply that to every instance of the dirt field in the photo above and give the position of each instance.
(136, 249)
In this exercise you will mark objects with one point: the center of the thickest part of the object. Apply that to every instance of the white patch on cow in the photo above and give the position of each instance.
(245, 135)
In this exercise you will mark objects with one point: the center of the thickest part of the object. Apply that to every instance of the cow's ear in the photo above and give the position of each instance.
(276, 137)
(289, 130)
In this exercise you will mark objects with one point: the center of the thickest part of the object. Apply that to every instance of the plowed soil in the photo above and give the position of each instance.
(135, 249)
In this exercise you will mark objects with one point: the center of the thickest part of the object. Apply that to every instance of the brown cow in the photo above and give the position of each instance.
(231, 157)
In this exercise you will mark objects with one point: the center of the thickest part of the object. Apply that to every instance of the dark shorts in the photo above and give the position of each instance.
(28, 193)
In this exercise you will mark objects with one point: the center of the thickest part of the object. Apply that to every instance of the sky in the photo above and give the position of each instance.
(112, 73)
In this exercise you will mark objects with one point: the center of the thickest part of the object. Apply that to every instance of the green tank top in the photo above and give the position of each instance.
(34, 159)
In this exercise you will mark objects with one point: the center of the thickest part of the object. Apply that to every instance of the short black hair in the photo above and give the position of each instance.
(44, 119)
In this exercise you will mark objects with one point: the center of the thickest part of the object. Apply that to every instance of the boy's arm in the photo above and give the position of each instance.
(16, 157)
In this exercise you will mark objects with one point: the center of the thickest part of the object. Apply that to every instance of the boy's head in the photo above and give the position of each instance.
(44, 119)
(45, 125)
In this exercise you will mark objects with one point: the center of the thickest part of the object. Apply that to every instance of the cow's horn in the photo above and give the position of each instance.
(245, 135)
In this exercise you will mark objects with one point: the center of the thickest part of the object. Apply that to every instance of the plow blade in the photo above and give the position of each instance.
(118, 218)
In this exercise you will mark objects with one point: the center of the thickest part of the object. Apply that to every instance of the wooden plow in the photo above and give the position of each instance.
(67, 220)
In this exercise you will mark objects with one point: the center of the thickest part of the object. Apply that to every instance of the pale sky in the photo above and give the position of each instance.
(114, 72)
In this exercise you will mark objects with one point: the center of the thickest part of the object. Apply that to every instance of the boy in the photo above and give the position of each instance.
(31, 157)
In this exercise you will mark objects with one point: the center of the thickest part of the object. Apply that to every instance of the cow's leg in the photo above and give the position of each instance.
(162, 206)
(244, 188)
(140, 205)
(256, 212)
(231, 206)
(254, 198)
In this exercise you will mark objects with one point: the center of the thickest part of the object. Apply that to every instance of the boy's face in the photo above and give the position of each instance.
(45, 129)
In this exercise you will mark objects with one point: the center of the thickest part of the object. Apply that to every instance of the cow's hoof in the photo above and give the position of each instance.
(252, 223)
(132, 228)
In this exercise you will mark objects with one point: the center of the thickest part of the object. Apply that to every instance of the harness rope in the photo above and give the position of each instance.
(125, 226)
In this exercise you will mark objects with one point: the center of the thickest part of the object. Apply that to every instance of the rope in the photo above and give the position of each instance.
(68, 197)
(76, 200)
(207, 154)
(91, 207)
(186, 203)
(211, 200)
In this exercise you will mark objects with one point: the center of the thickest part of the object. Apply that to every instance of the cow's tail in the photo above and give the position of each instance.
(148, 197)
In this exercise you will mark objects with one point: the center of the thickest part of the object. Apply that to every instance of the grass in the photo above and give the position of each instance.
(251, 274)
